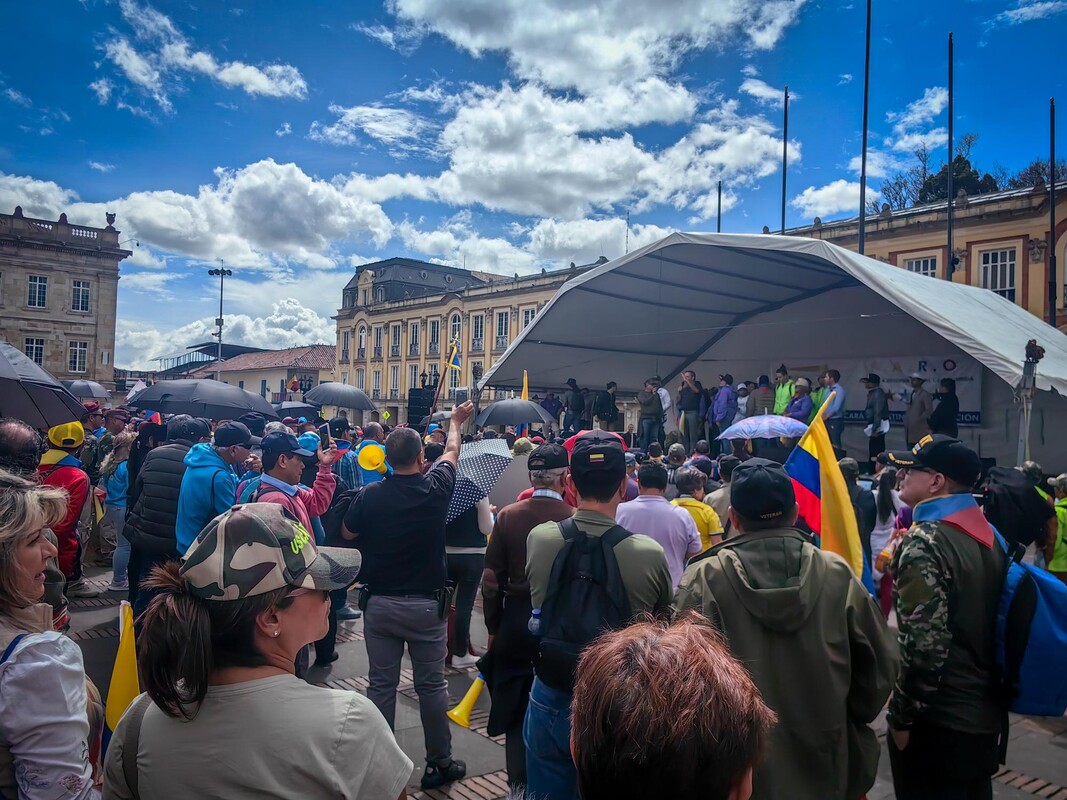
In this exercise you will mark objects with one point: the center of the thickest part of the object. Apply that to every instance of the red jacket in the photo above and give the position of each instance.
(76, 484)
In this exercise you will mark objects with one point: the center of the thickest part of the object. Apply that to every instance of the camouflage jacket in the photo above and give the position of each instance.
(946, 588)
(94, 453)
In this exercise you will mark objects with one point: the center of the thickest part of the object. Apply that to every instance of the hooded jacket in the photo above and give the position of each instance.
(208, 488)
(817, 648)
(154, 514)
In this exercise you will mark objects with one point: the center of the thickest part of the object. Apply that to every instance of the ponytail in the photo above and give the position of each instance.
(184, 638)
(887, 482)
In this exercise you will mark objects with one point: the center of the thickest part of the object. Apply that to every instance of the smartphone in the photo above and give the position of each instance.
(324, 436)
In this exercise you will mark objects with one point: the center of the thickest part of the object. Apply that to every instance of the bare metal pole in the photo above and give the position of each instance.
(1052, 294)
(785, 151)
(221, 272)
(718, 216)
(951, 266)
(863, 156)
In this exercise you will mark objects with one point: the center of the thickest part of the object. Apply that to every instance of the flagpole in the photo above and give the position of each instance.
(863, 156)
(437, 393)
(1052, 294)
(785, 151)
(951, 167)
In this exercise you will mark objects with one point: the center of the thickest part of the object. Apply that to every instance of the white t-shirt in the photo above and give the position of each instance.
(270, 738)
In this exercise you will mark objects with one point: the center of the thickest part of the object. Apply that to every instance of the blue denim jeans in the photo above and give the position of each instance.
(550, 773)
(647, 429)
(116, 517)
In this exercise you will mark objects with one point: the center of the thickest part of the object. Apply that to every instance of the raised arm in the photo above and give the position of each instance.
(460, 414)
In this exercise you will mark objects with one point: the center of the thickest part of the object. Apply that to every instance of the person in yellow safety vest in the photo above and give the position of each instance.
(783, 391)
(818, 397)
(1056, 553)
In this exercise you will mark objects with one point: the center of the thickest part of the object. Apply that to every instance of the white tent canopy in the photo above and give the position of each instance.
(745, 303)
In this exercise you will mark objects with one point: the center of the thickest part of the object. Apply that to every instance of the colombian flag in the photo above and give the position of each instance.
(524, 430)
(822, 495)
(125, 686)
(453, 359)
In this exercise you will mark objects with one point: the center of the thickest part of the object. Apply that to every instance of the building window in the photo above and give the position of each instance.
(998, 272)
(377, 382)
(263, 388)
(378, 340)
(453, 379)
(79, 300)
(379, 294)
(361, 338)
(528, 315)
(363, 295)
(105, 357)
(477, 330)
(34, 350)
(240, 384)
(435, 332)
(413, 376)
(453, 328)
(502, 320)
(394, 341)
(346, 340)
(38, 295)
(344, 379)
(413, 337)
(360, 383)
(394, 380)
(922, 266)
(77, 356)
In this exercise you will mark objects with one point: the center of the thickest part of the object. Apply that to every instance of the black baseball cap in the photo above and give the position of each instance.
(338, 426)
(229, 434)
(548, 456)
(282, 442)
(598, 451)
(873, 377)
(940, 453)
(761, 490)
(255, 421)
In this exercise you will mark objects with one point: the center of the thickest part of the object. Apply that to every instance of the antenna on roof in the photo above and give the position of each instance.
(627, 230)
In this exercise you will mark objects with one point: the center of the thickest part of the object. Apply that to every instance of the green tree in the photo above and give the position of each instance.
(964, 176)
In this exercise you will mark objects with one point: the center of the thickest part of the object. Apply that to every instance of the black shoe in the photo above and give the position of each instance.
(436, 775)
(322, 662)
(347, 614)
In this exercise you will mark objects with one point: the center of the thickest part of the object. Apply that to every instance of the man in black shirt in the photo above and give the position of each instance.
(398, 525)
(690, 392)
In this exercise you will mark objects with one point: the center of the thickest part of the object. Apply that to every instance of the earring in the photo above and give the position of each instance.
(276, 633)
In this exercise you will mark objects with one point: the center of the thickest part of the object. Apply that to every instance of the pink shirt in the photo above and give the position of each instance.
(671, 526)
(303, 503)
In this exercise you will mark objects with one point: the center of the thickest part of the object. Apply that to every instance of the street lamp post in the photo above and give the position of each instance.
(476, 374)
(221, 272)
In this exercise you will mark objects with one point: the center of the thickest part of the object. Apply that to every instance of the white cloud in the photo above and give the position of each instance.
(289, 324)
(841, 195)
(908, 142)
(264, 215)
(169, 55)
(880, 164)
(844, 78)
(284, 130)
(766, 94)
(592, 44)
(149, 282)
(102, 89)
(101, 167)
(456, 243)
(404, 38)
(585, 240)
(1029, 11)
(17, 97)
(401, 131)
(910, 126)
(749, 70)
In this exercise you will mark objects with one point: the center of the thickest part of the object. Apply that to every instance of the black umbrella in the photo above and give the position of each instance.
(291, 408)
(341, 395)
(87, 390)
(512, 412)
(202, 398)
(437, 416)
(30, 393)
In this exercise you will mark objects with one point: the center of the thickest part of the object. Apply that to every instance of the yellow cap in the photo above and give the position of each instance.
(69, 434)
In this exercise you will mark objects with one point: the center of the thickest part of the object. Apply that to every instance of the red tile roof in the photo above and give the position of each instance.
(309, 357)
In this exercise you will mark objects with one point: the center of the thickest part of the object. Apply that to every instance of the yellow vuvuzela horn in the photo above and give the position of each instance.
(461, 714)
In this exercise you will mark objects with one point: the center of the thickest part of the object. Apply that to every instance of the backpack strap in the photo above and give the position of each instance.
(130, 739)
(11, 647)
(614, 535)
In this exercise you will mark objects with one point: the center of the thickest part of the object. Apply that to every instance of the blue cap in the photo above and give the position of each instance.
(302, 419)
(309, 441)
(433, 427)
(280, 442)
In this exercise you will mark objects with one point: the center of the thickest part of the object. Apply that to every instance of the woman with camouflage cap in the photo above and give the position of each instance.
(224, 715)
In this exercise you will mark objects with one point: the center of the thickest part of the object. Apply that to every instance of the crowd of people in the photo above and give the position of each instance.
(660, 620)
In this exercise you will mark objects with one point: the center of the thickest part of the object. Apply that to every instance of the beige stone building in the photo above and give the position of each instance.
(58, 291)
(1001, 240)
(398, 317)
(271, 373)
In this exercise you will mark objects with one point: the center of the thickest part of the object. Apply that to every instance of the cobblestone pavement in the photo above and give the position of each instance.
(1037, 754)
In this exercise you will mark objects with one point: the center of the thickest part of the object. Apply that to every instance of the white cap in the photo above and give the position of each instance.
(742, 385)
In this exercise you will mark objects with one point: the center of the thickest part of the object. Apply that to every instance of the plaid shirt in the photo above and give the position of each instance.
(347, 469)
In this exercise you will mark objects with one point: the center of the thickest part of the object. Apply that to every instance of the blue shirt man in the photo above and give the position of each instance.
(835, 409)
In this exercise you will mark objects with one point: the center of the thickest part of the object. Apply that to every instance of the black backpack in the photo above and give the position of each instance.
(334, 516)
(585, 597)
(1013, 506)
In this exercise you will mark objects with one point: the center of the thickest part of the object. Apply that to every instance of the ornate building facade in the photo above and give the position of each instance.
(399, 316)
(58, 293)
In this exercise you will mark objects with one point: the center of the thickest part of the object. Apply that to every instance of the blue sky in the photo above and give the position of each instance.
(298, 141)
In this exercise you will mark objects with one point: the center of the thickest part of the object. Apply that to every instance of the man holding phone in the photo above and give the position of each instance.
(282, 466)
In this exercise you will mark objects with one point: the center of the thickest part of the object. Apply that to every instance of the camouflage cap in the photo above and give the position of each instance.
(258, 548)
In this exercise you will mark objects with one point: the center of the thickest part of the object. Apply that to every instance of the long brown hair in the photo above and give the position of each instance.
(184, 637)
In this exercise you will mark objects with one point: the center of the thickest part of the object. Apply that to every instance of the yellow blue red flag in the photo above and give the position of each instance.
(453, 359)
(125, 686)
(822, 495)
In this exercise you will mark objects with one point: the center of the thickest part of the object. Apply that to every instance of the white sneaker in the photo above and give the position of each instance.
(119, 586)
(462, 662)
(82, 588)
